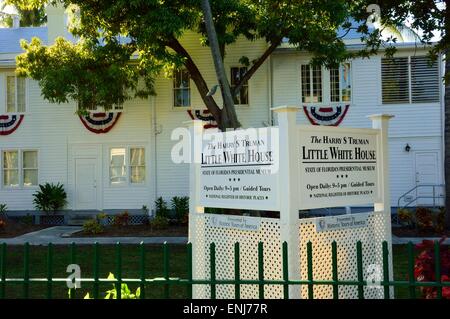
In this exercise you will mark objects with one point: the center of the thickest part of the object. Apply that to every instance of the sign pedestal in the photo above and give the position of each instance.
(304, 167)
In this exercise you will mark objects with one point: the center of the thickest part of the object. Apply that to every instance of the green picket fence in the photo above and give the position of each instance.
(166, 281)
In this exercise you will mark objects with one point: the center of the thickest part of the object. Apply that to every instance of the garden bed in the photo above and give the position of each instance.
(14, 228)
(407, 232)
(137, 231)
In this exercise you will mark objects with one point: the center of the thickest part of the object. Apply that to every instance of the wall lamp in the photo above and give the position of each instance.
(407, 148)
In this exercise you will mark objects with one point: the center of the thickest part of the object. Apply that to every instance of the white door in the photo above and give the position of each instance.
(427, 173)
(86, 183)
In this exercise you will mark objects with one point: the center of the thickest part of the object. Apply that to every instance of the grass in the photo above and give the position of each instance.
(107, 264)
(130, 269)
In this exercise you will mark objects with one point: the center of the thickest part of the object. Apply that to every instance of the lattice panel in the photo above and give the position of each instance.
(134, 219)
(371, 238)
(52, 220)
(269, 234)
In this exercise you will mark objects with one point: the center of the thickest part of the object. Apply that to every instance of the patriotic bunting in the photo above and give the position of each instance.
(100, 123)
(204, 115)
(10, 123)
(329, 116)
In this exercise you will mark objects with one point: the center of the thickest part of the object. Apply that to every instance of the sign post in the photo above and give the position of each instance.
(288, 184)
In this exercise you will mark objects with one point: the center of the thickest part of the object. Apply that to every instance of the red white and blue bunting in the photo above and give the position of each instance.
(100, 123)
(204, 115)
(10, 123)
(326, 115)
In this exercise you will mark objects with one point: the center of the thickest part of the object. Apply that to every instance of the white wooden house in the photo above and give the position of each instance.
(130, 165)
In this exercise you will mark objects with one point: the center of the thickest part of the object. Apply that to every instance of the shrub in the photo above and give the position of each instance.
(122, 219)
(125, 291)
(159, 222)
(3, 209)
(424, 268)
(27, 220)
(424, 219)
(180, 205)
(50, 198)
(102, 219)
(440, 221)
(92, 227)
(161, 208)
(405, 216)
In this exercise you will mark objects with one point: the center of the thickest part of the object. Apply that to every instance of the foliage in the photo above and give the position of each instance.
(424, 219)
(159, 222)
(50, 197)
(96, 70)
(122, 219)
(214, 210)
(101, 216)
(28, 17)
(92, 226)
(440, 221)
(125, 291)
(180, 205)
(406, 217)
(425, 267)
(27, 219)
(161, 208)
(3, 210)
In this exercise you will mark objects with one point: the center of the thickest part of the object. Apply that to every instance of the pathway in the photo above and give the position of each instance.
(59, 235)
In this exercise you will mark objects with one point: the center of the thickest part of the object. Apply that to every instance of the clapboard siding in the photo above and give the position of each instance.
(52, 129)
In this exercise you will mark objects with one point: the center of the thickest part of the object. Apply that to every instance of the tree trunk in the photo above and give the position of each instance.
(229, 117)
(198, 79)
(447, 117)
(447, 141)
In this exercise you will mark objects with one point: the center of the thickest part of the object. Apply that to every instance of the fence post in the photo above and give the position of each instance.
(288, 186)
(196, 133)
(381, 122)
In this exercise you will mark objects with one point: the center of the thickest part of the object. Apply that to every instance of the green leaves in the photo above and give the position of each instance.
(50, 197)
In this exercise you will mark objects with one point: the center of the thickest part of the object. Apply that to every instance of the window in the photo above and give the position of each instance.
(181, 88)
(11, 168)
(118, 166)
(311, 77)
(237, 73)
(340, 83)
(137, 165)
(30, 168)
(124, 160)
(15, 94)
(20, 168)
(409, 80)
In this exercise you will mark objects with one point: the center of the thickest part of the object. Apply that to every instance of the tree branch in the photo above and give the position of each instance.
(197, 77)
(256, 66)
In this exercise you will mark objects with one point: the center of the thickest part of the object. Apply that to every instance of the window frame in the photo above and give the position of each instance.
(128, 166)
(16, 111)
(173, 88)
(410, 84)
(245, 85)
(325, 85)
(20, 168)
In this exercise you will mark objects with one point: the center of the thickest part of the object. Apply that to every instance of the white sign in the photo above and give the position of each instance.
(341, 222)
(337, 167)
(235, 222)
(239, 169)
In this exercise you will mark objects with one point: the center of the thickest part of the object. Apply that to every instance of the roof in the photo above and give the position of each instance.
(10, 37)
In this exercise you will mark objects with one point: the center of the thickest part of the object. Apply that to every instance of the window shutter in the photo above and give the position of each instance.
(395, 80)
(424, 80)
